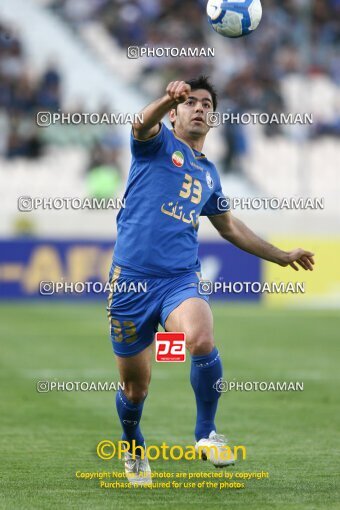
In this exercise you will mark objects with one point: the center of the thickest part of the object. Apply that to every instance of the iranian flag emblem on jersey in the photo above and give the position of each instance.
(177, 158)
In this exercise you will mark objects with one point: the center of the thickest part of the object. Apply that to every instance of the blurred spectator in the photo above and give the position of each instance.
(327, 128)
(21, 97)
(236, 141)
(104, 178)
(48, 94)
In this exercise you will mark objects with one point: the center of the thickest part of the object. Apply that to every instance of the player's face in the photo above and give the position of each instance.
(191, 116)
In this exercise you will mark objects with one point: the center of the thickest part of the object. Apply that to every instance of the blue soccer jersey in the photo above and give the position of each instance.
(169, 186)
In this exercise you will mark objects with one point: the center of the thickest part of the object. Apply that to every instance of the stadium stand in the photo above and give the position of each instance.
(267, 72)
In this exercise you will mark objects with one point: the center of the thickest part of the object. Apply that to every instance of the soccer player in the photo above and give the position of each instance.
(171, 183)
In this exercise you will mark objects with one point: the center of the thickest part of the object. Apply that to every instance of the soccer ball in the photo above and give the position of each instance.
(234, 18)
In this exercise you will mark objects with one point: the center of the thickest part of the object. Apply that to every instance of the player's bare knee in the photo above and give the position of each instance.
(200, 343)
(135, 392)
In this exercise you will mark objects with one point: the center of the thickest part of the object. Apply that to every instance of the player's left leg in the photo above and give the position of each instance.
(193, 317)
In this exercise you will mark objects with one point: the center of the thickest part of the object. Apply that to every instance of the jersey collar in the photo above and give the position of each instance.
(201, 156)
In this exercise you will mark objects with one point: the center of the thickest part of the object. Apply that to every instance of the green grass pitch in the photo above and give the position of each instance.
(46, 438)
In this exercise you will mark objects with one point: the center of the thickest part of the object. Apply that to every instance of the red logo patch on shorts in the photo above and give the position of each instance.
(170, 346)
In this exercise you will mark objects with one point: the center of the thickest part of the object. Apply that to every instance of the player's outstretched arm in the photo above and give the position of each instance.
(236, 232)
(176, 92)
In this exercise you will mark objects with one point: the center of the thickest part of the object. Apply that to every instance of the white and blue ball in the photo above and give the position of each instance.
(234, 18)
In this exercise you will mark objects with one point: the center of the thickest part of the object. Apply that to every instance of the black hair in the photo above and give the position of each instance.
(202, 82)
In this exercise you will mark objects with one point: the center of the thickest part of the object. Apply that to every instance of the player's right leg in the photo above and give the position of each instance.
(133, 321)
(135, 375)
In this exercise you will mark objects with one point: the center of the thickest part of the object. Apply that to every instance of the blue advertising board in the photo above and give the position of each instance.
(26, 263)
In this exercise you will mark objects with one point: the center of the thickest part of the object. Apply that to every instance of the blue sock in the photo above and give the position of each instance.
(130, 415)
(205, 371)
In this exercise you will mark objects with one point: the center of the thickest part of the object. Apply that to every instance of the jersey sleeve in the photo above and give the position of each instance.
(217, 203)
(149, 147)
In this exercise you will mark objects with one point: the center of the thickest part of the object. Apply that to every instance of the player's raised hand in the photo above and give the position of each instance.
(178, 91)
(303, 258)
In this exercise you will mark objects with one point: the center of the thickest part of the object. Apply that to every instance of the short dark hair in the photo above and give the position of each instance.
(202, 82)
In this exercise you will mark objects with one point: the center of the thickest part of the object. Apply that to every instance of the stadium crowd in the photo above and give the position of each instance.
(22, 94)
(180, 23)
(296, 36)
(248, 76)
